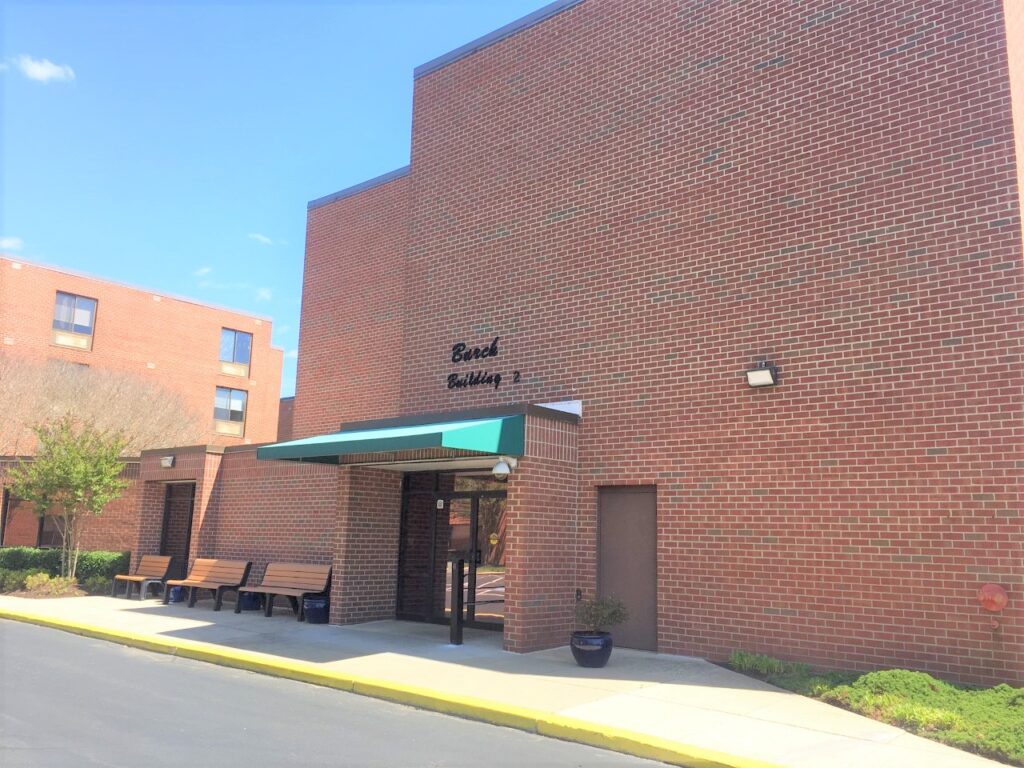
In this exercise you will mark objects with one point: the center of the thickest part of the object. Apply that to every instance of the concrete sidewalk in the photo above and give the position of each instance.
(680, 710)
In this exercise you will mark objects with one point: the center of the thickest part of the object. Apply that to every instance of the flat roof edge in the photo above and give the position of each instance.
(362, 186)
(541, 14)
(132, 287)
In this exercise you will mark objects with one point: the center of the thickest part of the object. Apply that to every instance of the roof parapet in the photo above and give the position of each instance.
(357, 188)
(541, 14)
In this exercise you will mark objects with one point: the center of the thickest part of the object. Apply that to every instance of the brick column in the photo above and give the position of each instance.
(543, 541)
(366, 535)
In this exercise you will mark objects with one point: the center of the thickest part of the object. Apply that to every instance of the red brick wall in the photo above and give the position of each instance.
(133, 329)
(272, 511)
(649, 199)
(351, 325)
(197, 464)
(22, 526)
(115, 530)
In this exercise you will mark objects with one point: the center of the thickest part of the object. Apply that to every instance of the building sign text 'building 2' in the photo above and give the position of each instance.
(463, 353)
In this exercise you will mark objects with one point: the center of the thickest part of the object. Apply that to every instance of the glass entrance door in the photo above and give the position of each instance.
(486, 582)
(476, 525)
(446, 517)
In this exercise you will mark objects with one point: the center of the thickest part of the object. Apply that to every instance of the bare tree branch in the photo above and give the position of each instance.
(147, 413)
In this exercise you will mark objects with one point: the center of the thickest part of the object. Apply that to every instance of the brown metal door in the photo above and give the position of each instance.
(627, 566)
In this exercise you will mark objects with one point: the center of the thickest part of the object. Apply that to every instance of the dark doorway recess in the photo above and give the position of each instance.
(446, 515)
(627, 565)
(179, 500)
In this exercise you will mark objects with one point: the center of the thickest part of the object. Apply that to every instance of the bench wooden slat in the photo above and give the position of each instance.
(219, 576)
(154, 566)
(291, 580)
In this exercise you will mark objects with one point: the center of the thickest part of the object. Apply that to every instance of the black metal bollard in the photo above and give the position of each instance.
(458, 579)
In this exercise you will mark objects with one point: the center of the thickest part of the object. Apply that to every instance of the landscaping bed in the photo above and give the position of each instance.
(96, 570)
(986, 721)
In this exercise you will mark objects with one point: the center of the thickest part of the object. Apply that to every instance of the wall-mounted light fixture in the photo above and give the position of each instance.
(764, 374)
(166, 462)
(504, 468)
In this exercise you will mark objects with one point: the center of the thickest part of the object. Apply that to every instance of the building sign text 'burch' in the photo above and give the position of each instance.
(463, 353)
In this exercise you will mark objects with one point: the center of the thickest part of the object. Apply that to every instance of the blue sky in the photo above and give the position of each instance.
(174, 145)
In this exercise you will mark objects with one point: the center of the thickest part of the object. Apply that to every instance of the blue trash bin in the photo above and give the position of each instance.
(251, 601)
(315, 609)
(177, 595)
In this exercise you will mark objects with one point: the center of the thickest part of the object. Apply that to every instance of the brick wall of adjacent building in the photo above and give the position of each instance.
(170, 341)
(650, 198)
(286, 419)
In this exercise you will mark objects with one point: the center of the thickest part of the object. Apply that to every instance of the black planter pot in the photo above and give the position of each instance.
(591, 649)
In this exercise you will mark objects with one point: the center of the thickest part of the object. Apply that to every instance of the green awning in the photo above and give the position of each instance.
(504, 435)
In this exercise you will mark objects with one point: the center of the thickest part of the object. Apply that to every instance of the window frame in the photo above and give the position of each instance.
(71, 337)
(229, 426)
(234, 367)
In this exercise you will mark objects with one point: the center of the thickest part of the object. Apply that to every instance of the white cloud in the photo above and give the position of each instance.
(263, 294)
(202, 271)
(11, 243)
(44, 70)
(261, 239)
(291, 354)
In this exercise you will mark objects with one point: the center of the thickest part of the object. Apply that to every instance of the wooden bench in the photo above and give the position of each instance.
(295, 581)
(151, 570)
(218, 576)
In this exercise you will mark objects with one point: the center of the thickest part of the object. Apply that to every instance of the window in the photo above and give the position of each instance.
(49, 531)
(235, 352)
(229, 411)
(74, 318)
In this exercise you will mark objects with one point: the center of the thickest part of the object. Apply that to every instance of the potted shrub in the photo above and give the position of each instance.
(592, 645)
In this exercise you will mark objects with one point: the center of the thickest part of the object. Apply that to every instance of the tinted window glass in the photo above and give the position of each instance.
(74, 313)
(227, 345)
(229, 404)
(243, 347)
(235, 346)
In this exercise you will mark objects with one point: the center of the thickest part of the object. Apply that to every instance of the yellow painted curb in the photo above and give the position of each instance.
(533, 721)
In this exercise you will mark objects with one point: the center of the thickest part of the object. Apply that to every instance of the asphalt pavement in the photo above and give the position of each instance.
(67, 700)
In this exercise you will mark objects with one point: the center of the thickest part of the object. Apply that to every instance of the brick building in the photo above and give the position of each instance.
(221, 363)
(617, 215)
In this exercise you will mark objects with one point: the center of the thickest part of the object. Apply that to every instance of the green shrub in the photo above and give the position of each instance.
(987, 721)
(23, 558)
(597, 615)
(95, 585)
(106, 564)
(101, 564)
(52, 586)
(14, 581)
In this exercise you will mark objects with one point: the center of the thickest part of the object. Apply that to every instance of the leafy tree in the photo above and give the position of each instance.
(76, 472)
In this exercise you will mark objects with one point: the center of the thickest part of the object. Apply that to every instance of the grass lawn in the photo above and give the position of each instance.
(988, 721)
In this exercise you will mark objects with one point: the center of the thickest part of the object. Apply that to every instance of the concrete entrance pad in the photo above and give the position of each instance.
(682, 710)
